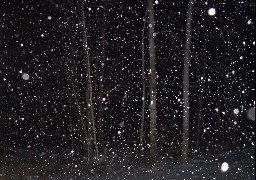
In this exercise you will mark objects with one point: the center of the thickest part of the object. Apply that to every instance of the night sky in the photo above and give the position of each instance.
(38, 40)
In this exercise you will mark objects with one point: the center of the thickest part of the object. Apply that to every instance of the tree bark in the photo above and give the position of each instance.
(187, 59)
(143, 83)
(152, 85)
(200, 106)
(101, 88)
(89, 96)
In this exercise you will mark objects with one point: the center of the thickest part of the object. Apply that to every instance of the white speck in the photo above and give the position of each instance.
(249, 22)
(21, 45)
(244, 43)
(251, 113)
(152, 102)
(211, 11)
(253, 43)
(241, 57)
(216, 109)
(104, 99)
(25, 76)
(42, 35)
(224, 167)
(49, 17)
(89, 9)
(119, 132)
(156, 2)
(236, 111)
(121, 124)
(20, 71)
(233, 72)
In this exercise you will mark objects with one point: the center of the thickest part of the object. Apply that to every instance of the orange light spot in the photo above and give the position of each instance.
(107, 94)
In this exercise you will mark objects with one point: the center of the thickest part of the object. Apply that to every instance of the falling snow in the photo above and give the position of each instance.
(211, 12)
(25, 76)
(48, 128)
(236, 111)
(224, 167)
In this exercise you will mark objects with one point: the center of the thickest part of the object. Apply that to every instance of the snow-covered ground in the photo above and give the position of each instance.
(234, 164)
(241, 165)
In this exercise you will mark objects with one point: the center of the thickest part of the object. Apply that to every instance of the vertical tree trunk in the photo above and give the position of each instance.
(200, 105)
(187, 58)
(72, 88)
(143, 82)
(89, 97)
(152, 85)
(101, 88)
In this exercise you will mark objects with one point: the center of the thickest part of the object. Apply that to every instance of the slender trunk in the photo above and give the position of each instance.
(152, 85)
(231, 116)
(143, 83)
(74, 97)
(200, 102)
(187, 58)
(101, 88)
(89, 96)
(232, 97)
(218, 76)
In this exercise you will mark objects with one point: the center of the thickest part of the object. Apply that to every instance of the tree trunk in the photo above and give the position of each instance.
(187, 58)
(101, 88)
(200, 106)
(89, 97)
(152, 85)
(143, 83)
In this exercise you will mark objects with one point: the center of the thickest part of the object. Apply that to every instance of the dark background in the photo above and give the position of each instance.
(39, 113)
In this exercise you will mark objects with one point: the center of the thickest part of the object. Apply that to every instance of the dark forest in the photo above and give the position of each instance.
(95, 89)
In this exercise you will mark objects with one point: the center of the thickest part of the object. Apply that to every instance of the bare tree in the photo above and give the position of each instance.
(89, 96)
(101, 88)
(90, 135)
(187, 59)
(87, 129)
(201, 81)
(143, 79)
(152, 84)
